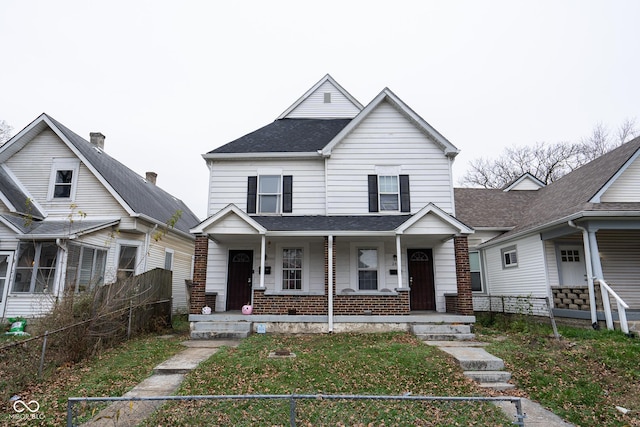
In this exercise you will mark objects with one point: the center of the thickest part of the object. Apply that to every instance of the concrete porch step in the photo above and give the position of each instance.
(498, 386)
(442, 332)
(220, 330)
(446, 337)
(474, 358)
(488, 376)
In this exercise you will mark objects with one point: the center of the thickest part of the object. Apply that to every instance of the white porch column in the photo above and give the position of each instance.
(263, 257)
(330, 281)
(597, 271)
(399, 260)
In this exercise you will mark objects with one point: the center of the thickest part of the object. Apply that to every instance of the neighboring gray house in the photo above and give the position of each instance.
(553, 241)
(72, 217)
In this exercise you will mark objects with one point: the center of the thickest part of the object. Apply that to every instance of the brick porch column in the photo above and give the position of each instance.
(463, 275)
(199, 274)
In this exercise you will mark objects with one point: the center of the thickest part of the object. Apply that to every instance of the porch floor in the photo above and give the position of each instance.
(416, 317)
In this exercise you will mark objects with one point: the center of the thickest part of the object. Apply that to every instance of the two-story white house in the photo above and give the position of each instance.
(335, 208)
(72, 217)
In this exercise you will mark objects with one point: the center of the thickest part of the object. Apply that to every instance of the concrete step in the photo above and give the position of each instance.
(220, 330)
(445, 337)
(447, 343)
(488, 376)
(475, 358)
(498, 386)
(445, 328)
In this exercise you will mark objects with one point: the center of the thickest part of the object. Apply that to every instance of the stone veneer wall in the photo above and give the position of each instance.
(575, 298)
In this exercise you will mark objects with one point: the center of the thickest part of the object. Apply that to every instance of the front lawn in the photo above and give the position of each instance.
(582, 377)
(354, 364)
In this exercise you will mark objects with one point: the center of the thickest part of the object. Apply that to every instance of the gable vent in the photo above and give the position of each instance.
(327, 97)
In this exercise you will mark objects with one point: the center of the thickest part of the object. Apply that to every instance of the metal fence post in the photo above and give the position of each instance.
(44, 350)
(519, 414)
(292, 411)
(69, 413)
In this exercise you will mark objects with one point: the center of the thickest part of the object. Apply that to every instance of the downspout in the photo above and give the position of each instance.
(330, 282)
(587, 255)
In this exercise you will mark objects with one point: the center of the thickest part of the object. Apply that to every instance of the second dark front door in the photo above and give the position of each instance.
(423, 292)
(239, 279)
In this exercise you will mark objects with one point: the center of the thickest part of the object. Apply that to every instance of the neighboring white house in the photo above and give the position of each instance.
(554, 241)
(72, 217)
(332, 188)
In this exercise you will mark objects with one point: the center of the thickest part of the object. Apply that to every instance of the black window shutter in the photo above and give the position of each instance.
(405, 201)
(252, 190)
(373, 193)
(287, 193)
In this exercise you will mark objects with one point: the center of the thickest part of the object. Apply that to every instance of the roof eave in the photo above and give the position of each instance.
(263, 155)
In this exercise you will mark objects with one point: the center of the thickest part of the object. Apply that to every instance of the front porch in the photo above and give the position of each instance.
(210, 326)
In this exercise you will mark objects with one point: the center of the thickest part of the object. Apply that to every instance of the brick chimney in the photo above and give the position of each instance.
(151, 177)
(97, 139)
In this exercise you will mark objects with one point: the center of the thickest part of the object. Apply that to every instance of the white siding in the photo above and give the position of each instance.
(228, 183)
(315, 107)
(481, 236)
(553, 274)
(620, 257)
(627, 187)
(34, 172)
(430, 224)
(527, 279)
(387, 138)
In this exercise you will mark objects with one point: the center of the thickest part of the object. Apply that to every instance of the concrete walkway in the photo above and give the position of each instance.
(476, 360)
(165, 380)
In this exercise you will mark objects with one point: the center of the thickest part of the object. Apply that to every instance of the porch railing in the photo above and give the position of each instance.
(622, 307)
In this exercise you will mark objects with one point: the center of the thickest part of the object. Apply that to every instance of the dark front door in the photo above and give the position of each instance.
(423, 291)
(239, 279)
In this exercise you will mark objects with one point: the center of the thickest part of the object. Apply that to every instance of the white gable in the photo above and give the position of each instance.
(325, 100)
(525, 182)
(626, 187)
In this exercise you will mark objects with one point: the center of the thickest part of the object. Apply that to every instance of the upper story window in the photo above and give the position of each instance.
(36, 267)
(64, 176)
(509, 257)
(389, 193)
(168, 259)
(270, 194)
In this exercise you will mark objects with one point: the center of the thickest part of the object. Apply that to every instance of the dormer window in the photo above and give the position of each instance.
(64, 176)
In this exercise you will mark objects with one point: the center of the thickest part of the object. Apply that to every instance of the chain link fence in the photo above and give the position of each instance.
(291, 410)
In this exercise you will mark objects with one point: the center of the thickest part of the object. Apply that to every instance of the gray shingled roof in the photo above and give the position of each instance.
(54, 228)
(287, 135)
(332, 223)
(569, 195)
(16, 196)
(480, 207)
(142, 196)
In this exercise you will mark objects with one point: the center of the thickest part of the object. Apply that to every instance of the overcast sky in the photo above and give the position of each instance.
(167, 81)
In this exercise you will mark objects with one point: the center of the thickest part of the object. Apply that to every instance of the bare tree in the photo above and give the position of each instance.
(547, 162)
(5, 132)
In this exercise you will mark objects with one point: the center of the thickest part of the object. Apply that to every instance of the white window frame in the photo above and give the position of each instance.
(388, 193)
(63, 165)
(94, 266)
(479, 271)
(171, 253)
(306, 259)
(260, 194)
(381, 269)
(138, 262)
(507, 254)
(35, 269)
